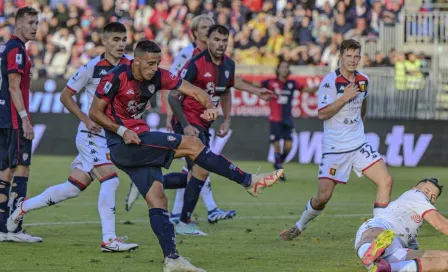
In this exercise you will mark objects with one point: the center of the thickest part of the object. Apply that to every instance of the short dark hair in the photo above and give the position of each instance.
(114, 27)
(349, 44)
(278, 66)
(146, 46)
(25, 10)
(433, 181)
(218, 28)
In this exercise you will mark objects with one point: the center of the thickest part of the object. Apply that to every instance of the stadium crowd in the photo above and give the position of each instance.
(304, 32)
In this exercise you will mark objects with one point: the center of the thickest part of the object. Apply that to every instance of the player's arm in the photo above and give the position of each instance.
(106, 90)
(17, 99)
(328, 104)
(364, 110)
(174, 100)
(263, 93)
(226, 105)
(437, 220)
(76, 83)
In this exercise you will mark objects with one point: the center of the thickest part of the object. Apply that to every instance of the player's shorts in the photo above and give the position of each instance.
(337, 167)
(281, 130)
(15, 149)
(204, 136)
(395, 253)
(156, 149)
(93, 151)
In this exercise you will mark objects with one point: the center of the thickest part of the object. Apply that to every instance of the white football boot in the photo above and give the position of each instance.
(118, 245)
(180, 264)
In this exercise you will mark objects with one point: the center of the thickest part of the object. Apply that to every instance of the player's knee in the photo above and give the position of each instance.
(22, 171)
(6, 175)
(70, 191)
(194, 145)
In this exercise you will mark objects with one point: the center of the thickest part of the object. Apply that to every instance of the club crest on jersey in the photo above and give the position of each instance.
(227, 73)
(332, 171)
(362, 86)
(172, 76)
(107, 87)
(19, 59)
(171, 138)
(25, 156)
(417, 218)
(151, 88)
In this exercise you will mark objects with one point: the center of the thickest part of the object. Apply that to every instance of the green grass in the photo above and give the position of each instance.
(248, 243)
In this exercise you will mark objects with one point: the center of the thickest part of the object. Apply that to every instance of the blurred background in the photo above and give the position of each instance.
(404, 47)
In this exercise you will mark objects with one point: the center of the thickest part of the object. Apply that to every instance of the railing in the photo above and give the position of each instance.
(424, 27)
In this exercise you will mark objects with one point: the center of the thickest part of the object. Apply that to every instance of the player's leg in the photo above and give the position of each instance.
(179, 198)
(333, 169)
(194, 149)
(5, 182)
(77, 182)
(274, 137)
(369, 162)
(414, 261)
(108, 178)
(191, 197)
(149, 181)
(287, 142)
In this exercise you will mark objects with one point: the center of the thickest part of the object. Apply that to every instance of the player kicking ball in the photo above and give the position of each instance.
(342, 105)
(388, 242)
(93, 160)
(120, 102)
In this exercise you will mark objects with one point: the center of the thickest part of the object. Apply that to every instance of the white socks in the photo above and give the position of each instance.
(51, 196)
(207, 196)
(307, 216)
(106, 207)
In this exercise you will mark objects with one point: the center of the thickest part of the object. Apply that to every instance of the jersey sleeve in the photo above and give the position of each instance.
(327, 92)
(179, 61)
(15, 60)
(421, 205)
(169, 80)
(80, 79)
(108, 87)
(189, 72)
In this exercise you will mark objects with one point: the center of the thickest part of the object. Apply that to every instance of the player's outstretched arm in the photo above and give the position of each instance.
(174, 100)
(202, 97)
(72, 106)
(16, 96)
(350, 92)
(437, 220)
(226, 105)
(263, 93)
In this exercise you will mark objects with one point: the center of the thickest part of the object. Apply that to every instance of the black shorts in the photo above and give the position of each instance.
(204, 136)
(281, 130)
(156, 149)
(15, 149)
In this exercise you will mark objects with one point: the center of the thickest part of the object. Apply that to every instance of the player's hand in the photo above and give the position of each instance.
(266, 94)
(210, 114)
(28, 131)
(191, 131)
(223, 129)
(92, 126)
(351, 91)
(169, 126)
(130, 137)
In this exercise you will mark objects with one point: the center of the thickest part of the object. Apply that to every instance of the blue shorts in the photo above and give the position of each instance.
(281, 130)
(204, 136)
(143, 162)
(15, 149)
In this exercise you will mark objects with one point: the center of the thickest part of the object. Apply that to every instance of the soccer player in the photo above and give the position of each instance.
(93, 160)
(280, 119)
(214, 72)
(119, 104)
(199, 29)
(16, 130)
(342, 106)
(388, 242)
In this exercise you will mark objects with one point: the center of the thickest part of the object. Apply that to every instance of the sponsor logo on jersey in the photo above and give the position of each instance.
(208, 74)
(103, 72)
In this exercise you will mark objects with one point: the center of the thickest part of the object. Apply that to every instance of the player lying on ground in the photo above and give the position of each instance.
(199, 30)
(388, 242)
(93, 160)
(342, 103)
(16, 129)
(120, 101)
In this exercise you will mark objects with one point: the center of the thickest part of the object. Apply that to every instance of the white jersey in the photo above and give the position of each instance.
(88, 77)
(182, 58)
(405, 215)
(344, 131)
